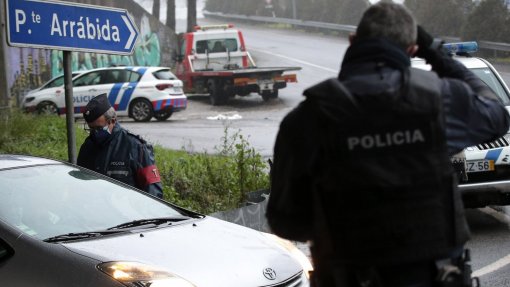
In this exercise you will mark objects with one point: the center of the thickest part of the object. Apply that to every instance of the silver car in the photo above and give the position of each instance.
(61, 225)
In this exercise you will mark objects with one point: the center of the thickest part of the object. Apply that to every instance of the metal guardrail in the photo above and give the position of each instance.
(504, 47)
(295, 22)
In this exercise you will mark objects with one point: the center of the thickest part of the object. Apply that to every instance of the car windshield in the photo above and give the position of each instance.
(492, 81)
(45, 201)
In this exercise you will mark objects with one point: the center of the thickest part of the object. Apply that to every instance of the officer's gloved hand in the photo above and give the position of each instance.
(428, 47)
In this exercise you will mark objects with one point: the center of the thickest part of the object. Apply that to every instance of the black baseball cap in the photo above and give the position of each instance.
(96, 107)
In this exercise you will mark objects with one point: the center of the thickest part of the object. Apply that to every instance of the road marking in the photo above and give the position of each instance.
(499, 216)
(492, 267)
(503, 261)
(296, 60)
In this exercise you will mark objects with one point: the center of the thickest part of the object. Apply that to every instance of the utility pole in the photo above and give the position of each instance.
(192, 15)
(156, 9)
(4, 91)
(294, 10)
(170, 14)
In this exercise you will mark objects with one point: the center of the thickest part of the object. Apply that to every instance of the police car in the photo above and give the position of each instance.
(137, 92)
(489, 161)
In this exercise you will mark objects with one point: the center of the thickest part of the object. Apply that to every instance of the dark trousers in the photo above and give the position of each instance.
(408, 275)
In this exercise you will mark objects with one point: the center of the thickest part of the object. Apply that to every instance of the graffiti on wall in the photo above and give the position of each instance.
(146, 53)
(30, 68)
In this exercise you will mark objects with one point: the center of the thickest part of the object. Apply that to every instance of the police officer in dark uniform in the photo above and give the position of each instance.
(115, 152)
(362, 166)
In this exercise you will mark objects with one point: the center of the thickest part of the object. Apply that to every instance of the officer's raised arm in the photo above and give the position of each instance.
(473, 111)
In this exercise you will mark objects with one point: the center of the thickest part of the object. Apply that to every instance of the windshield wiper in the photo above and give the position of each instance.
(79, 235)
(153, 221)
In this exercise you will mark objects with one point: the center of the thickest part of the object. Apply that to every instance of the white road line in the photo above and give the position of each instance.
(503, 261)
(492, 267)
(499, 216)
(296, 60)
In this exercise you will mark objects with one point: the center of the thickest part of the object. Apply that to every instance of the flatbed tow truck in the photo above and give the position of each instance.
(213, 60)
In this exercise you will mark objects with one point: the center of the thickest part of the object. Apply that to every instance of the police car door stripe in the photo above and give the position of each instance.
(493, 154)
(126, 97)
(114, 93)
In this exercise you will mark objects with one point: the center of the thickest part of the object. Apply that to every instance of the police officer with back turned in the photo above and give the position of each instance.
(362, 166)
(113, 151)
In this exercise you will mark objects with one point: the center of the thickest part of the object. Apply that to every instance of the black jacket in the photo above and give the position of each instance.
(125, 157)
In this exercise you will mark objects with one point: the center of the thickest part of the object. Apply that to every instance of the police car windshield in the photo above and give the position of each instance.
(492, 81)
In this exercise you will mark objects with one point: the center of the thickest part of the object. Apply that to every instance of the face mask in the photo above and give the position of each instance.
(99, 136)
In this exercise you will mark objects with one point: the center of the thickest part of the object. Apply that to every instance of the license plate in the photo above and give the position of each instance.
(266, 84)
(479, 165)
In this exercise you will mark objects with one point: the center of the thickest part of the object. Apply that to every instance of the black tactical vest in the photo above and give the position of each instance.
(385, 185)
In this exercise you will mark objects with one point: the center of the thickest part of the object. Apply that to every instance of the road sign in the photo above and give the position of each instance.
(70, 26)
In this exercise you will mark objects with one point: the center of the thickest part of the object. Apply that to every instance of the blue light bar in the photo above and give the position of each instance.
(460, 48)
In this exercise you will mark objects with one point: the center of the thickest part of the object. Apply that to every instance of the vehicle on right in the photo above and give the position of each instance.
(485, 178)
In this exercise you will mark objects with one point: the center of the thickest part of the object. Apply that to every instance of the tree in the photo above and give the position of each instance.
(156, 8)
(441, 17)
(170, 14)
(493, 28)
(351, 11)
(192, 15)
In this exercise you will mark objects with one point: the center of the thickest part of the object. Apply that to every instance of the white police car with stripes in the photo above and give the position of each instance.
(487, 162)
(138, 92)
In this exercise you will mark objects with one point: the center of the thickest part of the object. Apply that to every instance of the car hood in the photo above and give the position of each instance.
(208, 252)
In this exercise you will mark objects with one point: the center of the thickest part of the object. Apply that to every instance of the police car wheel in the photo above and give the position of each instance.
(162, 116)
(47, 108)
(141, 110)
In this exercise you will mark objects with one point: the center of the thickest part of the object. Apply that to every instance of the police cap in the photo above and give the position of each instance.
(96, 107)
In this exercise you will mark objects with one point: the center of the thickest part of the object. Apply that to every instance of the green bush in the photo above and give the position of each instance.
(216, 182)
(199, 181)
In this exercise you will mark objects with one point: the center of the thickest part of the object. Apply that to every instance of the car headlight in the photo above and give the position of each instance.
(294, 251)
(137, 274)
(29, 99)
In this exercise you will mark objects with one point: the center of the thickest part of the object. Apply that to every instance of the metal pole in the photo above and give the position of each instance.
(68, 87)
(4, 90)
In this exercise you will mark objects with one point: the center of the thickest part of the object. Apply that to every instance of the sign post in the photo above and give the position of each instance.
(70, 27)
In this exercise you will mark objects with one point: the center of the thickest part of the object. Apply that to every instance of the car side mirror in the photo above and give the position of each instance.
(5, 251)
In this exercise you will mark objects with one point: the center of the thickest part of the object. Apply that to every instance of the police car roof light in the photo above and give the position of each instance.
(212, 27)
(460, 47)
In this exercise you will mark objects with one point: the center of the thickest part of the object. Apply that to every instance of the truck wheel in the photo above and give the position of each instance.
(269, 95)
(47, 108)
(162, 116)
(140, 110)
(217, 94)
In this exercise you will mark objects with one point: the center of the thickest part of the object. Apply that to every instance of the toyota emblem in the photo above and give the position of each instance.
(269, 273)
